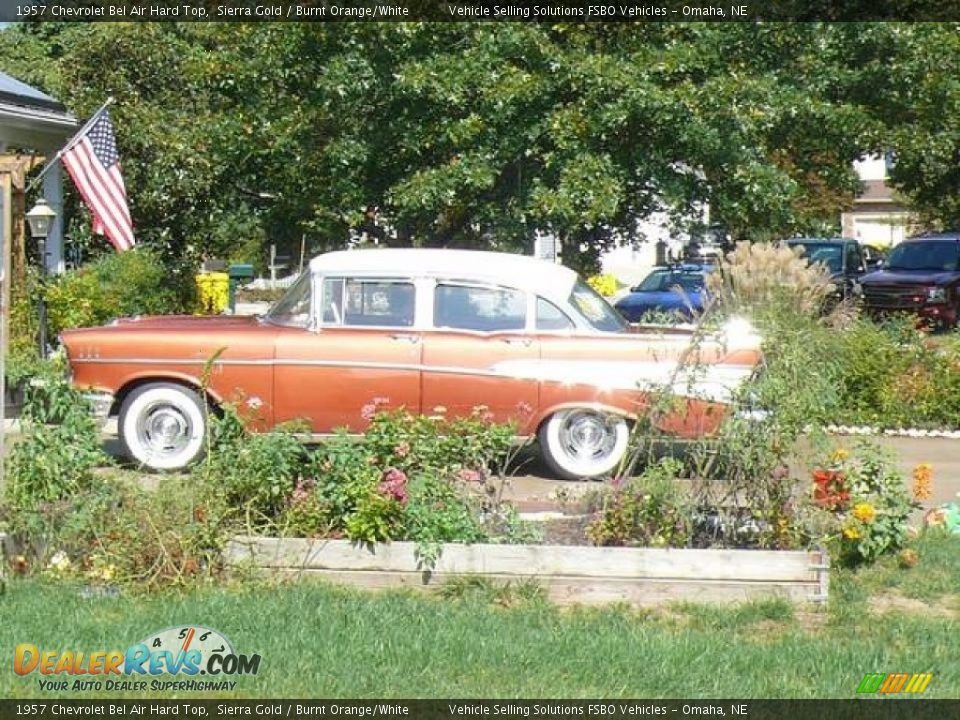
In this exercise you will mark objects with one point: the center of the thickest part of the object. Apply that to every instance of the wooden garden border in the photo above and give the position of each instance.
(570, 574)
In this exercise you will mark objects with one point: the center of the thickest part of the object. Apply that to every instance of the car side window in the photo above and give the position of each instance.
(331, 301)
(550, 317)
(354, 302)
(488, 309)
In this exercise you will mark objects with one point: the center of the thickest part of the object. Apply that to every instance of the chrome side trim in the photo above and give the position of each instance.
(716, 384)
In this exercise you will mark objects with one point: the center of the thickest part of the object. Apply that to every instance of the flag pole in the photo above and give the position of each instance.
(70, 144)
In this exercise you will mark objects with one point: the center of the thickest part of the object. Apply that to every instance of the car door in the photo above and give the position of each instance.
(362, 355)
(480, 353)
(854, 267)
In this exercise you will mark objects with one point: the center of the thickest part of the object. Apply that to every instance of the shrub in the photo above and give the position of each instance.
(51, 462)
(891, 375)
(649, 510)
(115, 285)
(426, 479)
(213, 292)
(605, 284)
(253, 473)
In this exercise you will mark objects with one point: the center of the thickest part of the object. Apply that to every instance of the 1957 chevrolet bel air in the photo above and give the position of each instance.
(417, 329)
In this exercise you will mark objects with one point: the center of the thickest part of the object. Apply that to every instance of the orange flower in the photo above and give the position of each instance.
(922, 481)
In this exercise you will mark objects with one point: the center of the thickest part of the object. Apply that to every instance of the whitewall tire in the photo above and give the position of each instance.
(162, 426)
(581, 443)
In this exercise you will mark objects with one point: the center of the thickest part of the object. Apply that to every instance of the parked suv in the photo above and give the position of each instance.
(921, 276)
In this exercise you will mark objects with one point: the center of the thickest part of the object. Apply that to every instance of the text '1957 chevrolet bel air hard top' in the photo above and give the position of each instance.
(416, 329)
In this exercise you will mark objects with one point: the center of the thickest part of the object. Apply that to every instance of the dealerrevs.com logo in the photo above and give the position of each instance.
(198, 658)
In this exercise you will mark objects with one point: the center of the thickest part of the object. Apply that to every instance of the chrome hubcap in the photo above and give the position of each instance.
(586, 436)
(164, 430)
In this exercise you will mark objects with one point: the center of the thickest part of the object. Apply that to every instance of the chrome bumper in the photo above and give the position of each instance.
(100, 404)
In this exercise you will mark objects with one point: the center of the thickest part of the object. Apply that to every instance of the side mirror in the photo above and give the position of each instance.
(635, 288)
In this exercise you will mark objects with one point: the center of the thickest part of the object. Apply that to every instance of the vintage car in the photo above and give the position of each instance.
(418, 329)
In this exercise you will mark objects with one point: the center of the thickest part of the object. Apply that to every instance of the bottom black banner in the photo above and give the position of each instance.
(874, 709)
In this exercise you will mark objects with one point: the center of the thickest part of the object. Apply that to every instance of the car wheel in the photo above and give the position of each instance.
(162, 426)
(582, 443)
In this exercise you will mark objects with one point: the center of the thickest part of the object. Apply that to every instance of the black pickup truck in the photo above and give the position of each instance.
(921, 276)
(844, 258)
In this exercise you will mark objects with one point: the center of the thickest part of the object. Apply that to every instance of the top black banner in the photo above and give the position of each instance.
(549, 11)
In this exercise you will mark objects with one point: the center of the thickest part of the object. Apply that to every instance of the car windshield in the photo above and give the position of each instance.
(665, 280)
(293, 309)
(830, 255)
(595, 309)
(925, 255)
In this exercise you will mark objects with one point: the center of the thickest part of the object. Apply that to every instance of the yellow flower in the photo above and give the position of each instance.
(840, 454)
(864, 512)
(923, 481)
(60, 562)
(851, 533)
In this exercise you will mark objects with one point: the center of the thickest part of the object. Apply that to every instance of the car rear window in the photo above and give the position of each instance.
(487, 309)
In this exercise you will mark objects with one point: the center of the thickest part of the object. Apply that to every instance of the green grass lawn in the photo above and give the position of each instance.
(320, 641)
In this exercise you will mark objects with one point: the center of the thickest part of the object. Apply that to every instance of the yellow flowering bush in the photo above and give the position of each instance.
(213, 292)
(605, 284)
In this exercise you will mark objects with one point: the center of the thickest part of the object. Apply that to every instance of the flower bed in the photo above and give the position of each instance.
(587, 575)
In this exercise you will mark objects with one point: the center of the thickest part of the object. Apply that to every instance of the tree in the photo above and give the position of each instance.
(481, 134)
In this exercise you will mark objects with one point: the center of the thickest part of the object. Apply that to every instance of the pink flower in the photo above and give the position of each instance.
(524, 409)
(470, 476)
(402, 449)
(394, 485)
(482, 412)
(302, 490)
(371, 408)
(617, 482)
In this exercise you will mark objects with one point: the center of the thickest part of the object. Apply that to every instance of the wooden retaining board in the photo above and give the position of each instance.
(570, 574)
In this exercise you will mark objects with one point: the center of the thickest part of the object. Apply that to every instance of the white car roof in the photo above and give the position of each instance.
(520, 271)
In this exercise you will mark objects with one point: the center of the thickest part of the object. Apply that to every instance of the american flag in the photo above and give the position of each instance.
(94, 164)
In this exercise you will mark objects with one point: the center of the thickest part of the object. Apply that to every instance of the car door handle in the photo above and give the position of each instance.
(525, 341)
(405, 337)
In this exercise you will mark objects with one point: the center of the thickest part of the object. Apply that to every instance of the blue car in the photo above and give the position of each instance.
(677, 290)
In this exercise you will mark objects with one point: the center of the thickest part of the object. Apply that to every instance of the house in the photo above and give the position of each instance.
(878, 216)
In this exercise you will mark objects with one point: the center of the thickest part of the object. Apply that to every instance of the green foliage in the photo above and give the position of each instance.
(650, 510)
(894, 376)
(115, 285)
(478, 135)
(50, 463)
(254, 473)
(435, 443)
(425, 479)
(442, 510)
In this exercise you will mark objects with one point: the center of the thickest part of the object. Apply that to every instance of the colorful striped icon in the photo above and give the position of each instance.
(893, 683)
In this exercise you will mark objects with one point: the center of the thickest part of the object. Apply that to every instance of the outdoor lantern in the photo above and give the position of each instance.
(41, 219)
